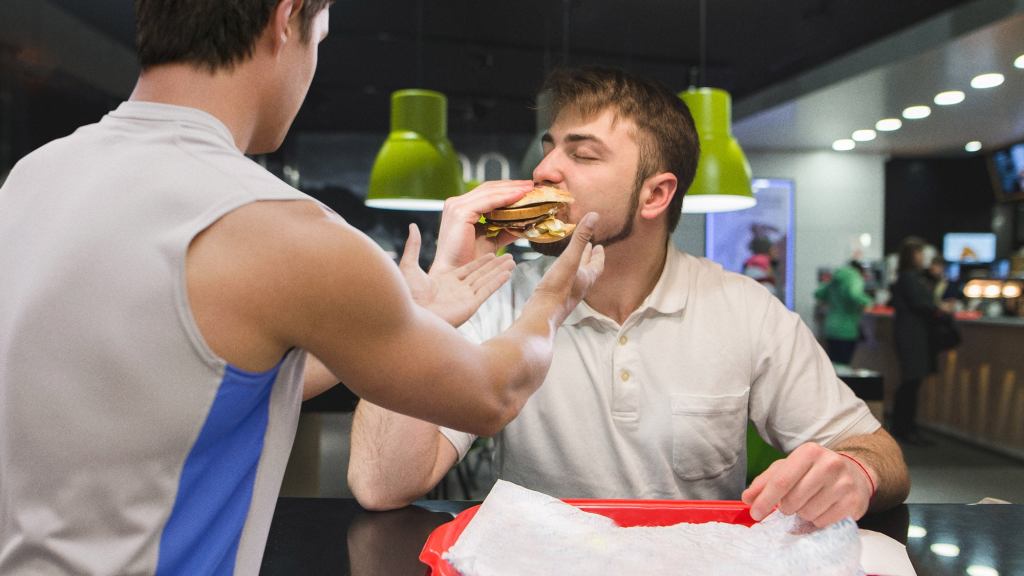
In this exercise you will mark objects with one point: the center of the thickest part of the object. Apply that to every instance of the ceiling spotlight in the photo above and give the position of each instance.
(915, 531)
(864, 135)
(987, 80)
(888, 124)
(972, 146)
(981, 570)
(949, 97)
(917, 112)
(1019, 62)
(947, 550)
(843, 144)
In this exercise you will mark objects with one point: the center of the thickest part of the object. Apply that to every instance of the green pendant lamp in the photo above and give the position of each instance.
(417, 168)
(722, 182)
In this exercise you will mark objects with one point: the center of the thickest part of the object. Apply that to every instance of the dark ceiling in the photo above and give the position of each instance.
(489, 57)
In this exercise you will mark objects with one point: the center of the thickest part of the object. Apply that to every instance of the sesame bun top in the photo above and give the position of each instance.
(542, 194)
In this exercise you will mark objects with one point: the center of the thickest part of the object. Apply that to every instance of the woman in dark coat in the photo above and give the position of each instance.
(915, 311)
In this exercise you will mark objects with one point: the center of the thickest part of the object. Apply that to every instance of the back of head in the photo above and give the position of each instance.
(666, 136)
(211, 34)
(909, 250)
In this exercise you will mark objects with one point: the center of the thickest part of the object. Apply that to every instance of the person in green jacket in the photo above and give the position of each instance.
(846, 300)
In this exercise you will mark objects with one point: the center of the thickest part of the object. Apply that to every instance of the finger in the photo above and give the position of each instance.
(781, 479)
(502, 263)
(490, 284)
(755, 488)
(411, 254)
(563, 273)
(464, 271)
(808, 488)
(817, 505)
(596, 264)
(487, 197)
(833, 514)
(588, 251)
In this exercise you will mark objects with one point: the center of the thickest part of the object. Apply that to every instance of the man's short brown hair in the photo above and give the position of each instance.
(667, 137)
(212, 34)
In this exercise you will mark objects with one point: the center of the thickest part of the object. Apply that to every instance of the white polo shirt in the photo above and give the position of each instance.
(658, 407)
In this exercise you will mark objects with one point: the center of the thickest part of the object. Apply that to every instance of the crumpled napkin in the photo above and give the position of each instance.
(520, 532)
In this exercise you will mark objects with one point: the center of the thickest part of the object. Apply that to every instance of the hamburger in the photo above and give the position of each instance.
(533, 217)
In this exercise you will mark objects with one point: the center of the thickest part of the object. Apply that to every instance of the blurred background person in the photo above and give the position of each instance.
(845, 300)
(914, 310)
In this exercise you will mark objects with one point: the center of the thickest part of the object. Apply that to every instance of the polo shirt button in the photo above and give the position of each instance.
(625, 375)
(623, 340)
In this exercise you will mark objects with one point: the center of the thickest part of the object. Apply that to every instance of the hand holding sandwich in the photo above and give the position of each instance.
(461, 240)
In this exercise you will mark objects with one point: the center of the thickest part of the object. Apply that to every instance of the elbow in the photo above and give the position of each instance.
(377, 498)
(494, 416)
(374, 495)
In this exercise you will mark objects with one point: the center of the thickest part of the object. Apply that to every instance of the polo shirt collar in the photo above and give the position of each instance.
(669, 295)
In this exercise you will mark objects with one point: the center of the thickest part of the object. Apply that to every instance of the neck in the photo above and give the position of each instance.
(632, 268)
(216, 93)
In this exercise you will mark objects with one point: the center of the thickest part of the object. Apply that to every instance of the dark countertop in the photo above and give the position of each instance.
(313, 536)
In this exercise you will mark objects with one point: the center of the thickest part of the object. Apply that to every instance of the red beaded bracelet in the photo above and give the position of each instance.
(861, 466)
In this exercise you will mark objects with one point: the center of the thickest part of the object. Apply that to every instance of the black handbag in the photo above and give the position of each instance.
(945, 335)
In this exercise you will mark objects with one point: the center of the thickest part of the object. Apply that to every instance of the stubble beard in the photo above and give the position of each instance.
(624, 231)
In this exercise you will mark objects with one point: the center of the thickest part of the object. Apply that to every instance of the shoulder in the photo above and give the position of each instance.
(709, 279)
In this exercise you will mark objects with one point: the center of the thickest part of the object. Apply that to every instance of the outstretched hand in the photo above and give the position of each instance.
(454, 294)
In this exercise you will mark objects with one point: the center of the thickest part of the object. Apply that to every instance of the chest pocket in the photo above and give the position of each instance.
(707, 434)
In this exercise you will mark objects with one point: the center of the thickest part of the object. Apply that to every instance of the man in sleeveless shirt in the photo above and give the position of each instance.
(166, 304)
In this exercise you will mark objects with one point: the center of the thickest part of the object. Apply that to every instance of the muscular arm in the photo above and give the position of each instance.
(306, 279)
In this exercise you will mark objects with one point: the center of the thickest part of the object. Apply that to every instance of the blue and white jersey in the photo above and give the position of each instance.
(126, 445)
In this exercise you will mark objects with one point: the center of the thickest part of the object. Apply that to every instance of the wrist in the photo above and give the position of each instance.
(868, 473)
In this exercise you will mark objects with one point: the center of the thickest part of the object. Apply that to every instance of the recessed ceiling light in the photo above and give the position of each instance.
(843, 144)
(864, 135)
(949, 97)
(972, 146)
(1019, 62)
(888, 124)
(915, 531)
(981, 570)
(917, 112)
(947, 550)
(990, 80)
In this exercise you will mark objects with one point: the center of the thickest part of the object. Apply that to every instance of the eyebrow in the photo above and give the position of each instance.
(547, 138)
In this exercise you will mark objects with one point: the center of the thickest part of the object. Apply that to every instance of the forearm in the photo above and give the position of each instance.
(518, 359)
(395, 459)
(882, 456)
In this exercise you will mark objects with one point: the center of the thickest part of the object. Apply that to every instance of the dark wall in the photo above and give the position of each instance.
(929, 197)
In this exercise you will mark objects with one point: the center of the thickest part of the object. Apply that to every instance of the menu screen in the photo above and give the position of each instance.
(969, 247)
(1008, 166)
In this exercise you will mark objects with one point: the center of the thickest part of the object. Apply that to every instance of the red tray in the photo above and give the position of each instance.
(625, 513)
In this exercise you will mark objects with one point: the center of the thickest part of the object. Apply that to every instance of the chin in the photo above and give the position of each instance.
(551, 248)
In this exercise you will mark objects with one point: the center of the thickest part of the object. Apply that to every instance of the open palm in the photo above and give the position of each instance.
(454, 294)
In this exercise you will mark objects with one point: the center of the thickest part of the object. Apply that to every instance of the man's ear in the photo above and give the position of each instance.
(656, 194)
(280, 19)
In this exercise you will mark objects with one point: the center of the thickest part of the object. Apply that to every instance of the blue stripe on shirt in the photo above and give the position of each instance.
(215, 489)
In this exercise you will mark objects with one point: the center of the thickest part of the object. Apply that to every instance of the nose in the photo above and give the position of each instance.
(548, 172)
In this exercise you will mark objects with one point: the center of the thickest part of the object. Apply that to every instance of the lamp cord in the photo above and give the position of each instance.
(566, 30)
(703, 35)
(419, 43)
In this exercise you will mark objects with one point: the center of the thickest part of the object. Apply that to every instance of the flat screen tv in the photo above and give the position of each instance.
(1007, 166)
(969, 247)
